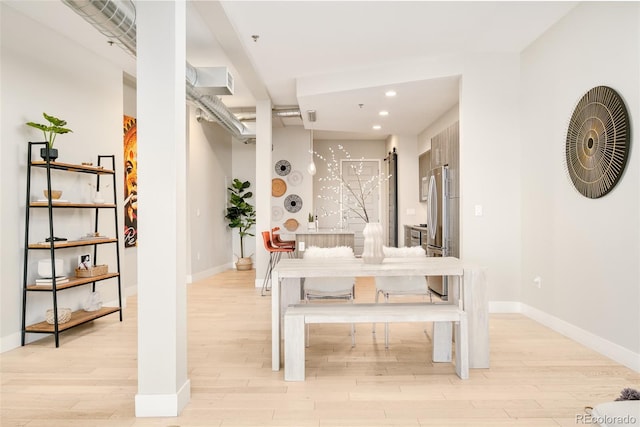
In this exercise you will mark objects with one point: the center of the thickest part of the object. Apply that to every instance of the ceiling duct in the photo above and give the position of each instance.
(283, 113)
(116, 19)
(287, 112)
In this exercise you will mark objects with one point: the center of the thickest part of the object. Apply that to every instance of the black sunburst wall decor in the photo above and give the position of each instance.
(598, 142)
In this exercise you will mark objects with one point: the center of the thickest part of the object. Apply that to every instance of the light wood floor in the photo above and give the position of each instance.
(537, 377)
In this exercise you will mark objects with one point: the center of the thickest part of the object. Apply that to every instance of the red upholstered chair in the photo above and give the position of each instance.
(274, 256)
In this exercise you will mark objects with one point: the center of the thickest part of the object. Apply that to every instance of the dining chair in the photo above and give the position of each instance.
(400, 285)
(278, 242)
(275, 253)
(328, 288)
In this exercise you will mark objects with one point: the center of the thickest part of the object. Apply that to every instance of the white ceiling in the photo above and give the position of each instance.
(332, 56)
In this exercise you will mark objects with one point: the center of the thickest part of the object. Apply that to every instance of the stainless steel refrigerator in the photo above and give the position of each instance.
(442, 223)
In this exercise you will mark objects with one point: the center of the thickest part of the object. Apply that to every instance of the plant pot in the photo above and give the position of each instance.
(244, 264)
(49, 154)
(372, 252)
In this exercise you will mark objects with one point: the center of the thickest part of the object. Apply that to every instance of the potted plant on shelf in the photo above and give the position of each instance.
(311, 224)
(241, 215)
(50, 131)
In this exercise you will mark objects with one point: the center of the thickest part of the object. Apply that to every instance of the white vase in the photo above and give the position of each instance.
(373, 241)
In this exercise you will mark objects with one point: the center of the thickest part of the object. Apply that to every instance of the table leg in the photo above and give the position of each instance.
(477, 308)
(443, 331)
(275, 321)
(294, 363)
(283, 293)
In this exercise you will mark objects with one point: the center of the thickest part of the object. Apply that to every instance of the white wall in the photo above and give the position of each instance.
(292, 144)
(586, 251)
(490, 171)
(209, 172)
(72, 83)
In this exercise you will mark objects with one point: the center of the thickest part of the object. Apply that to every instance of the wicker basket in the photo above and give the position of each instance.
(96, 270)
(64, 315)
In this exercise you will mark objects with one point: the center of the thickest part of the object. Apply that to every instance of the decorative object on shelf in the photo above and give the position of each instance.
(283, 167)
(84, 262)
(311, 223)
(295, 178)
(277, 213)
(598, 142)
(293, 203)
(291, 224)
(98, 197)
(373, 252)
(45, 270)
(241, 215)
(92, 271)
(278, 187)
(93, 302)
(49, 280)
(50, 131)
(64, 315)
(130, 126)
(55, 194)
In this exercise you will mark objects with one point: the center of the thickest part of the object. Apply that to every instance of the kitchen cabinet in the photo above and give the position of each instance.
(424, 166)
(453, 159)
(439, 150)
(415, 235)
(445, 151)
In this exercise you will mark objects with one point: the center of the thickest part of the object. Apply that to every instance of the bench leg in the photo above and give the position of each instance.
(462, 347)
(294, 329)
(442, 341)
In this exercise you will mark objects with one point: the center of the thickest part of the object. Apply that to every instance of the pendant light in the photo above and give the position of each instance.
(311, 168)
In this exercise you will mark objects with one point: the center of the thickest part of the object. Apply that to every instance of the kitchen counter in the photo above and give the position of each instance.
(324, 231)
(420, 228)
(415, 235)
(323, 238)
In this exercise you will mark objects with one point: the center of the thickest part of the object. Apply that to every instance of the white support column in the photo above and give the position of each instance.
(163, 386)
(263, 184)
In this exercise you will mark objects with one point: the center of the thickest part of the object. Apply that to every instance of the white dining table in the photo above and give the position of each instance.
(469, 292)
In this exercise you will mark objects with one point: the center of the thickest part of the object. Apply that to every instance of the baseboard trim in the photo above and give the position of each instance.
(163, 405)
(191, 278)
(614, 351)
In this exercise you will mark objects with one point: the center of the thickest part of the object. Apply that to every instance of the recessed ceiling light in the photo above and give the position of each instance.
(390, 93)
(377, 127)
(383, 113)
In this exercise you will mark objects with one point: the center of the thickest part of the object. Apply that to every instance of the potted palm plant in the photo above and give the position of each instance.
(241, 215)
(54, 128)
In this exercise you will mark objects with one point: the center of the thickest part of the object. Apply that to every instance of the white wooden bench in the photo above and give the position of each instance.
(297, 315)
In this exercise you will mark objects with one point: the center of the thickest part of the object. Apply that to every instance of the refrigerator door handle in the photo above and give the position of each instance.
(432, 209)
